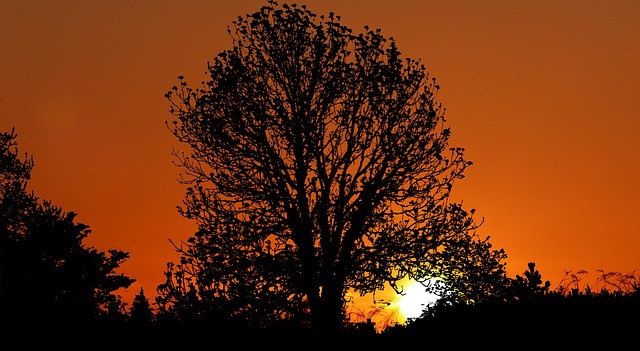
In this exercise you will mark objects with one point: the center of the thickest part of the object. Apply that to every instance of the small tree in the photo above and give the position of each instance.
(530, 284)
(141, 312)
(48, 275)
(319, 161)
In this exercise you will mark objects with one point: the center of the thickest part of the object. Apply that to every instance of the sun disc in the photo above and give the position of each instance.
(415, 300)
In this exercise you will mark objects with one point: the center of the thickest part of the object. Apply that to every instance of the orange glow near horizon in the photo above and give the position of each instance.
(543, 95)
(388, 308)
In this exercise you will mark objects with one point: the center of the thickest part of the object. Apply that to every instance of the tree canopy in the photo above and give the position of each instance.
(49, 276)
(318, 160)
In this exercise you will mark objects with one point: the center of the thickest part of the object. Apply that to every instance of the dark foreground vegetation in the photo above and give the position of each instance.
(583, 320)
(578, 318)
(545, 319)
(57, 292)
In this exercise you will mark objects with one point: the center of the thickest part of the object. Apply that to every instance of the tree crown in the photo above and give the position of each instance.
(318, 161)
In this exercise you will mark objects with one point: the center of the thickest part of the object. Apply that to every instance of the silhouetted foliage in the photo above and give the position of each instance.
(141, 312)
(49, 278)
(319, 162)
(529, 285)
(478, 272)
(530, 313)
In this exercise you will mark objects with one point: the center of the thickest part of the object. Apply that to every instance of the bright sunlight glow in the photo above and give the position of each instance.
(414, 300)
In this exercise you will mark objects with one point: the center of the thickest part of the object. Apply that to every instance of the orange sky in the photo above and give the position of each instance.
(544, 96)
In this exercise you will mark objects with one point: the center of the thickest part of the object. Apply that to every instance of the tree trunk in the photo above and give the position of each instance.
(328, 317)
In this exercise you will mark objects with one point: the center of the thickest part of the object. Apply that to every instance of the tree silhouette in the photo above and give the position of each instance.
(141, 312)
(318, 161)
(470, 271)
(49, 277)
(530, 285)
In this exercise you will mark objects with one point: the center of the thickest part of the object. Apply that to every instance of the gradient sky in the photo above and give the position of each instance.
(543, 95)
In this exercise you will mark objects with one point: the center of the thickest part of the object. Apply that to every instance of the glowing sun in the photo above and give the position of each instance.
(414, 300)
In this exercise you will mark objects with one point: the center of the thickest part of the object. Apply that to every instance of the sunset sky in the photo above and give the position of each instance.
(543, 95)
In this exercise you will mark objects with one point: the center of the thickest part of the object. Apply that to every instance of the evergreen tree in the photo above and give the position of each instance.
(141, 312)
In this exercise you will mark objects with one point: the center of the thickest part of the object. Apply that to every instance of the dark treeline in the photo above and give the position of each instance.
(54, 289)
(533, 314)
(48, 276)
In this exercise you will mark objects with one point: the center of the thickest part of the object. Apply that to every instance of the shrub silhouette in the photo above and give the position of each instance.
(532, 314)
(50, 279)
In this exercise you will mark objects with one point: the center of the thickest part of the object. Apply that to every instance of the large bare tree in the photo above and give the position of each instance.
(318, 161)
